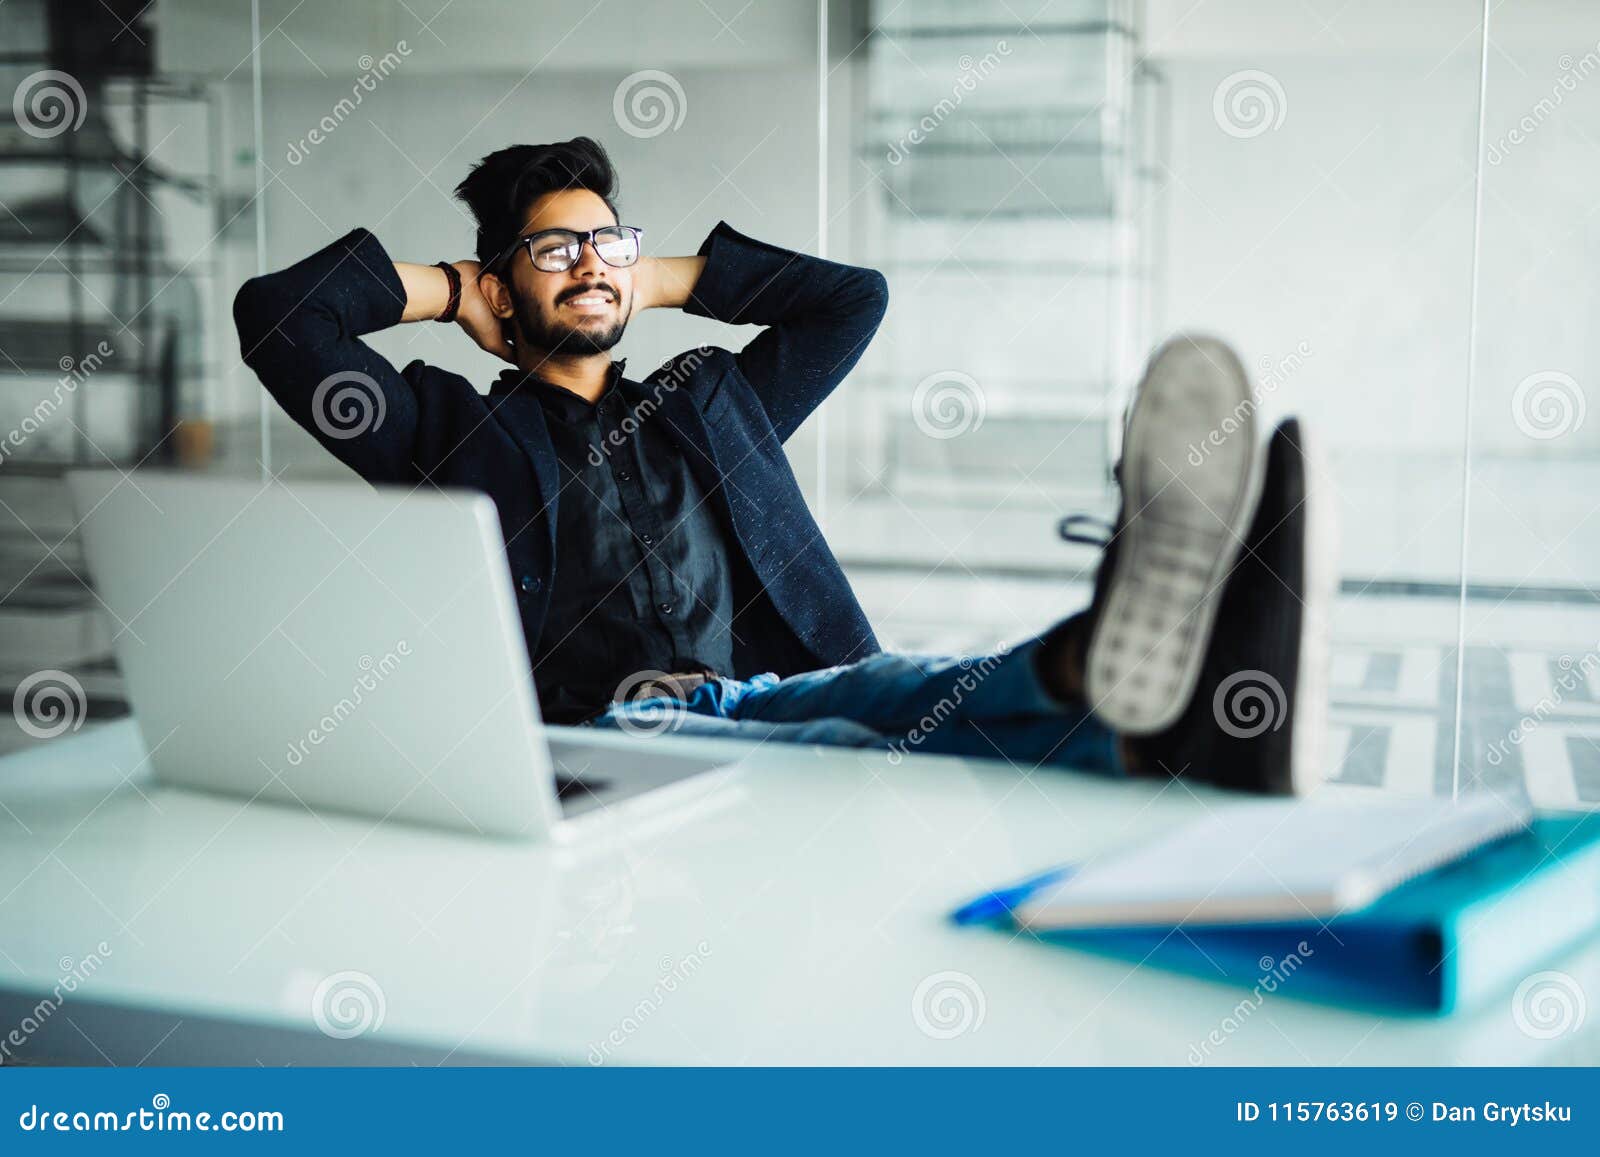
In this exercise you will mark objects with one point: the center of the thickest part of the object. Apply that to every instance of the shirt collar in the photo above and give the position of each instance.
(515, 380)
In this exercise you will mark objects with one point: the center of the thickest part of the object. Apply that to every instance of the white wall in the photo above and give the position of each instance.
(1346, 230)
(745, 148)
(1350, 226)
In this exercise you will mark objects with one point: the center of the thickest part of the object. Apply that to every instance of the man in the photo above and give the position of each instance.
(665, 562)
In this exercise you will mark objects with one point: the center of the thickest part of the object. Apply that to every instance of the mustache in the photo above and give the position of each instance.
(588, 287)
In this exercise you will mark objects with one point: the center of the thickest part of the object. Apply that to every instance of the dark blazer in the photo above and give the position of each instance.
(729, 412)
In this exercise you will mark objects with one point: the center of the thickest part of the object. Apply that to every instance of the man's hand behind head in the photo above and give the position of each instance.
(477, 319)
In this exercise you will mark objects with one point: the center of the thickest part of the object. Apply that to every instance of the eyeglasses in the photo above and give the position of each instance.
(558, 250)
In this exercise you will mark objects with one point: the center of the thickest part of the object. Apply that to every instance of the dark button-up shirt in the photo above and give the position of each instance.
(642, 580)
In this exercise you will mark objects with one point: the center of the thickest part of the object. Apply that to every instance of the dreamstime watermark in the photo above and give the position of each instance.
(1273, 376)
(674, 973)
(682, 369)
(1249, 703)
(48, 103)
(1575, 674)
(1274, 974)
(160, 1117)
(648, 703)
(970, 74)
(49, 703)
(948, 1004)
(1249, 103)
(373, 672)
(1548, 404)
(948, 404)
(372, 72)
(965, 683)
(348, 1004)
(73, 973)
(1572, 72)
(648, 103)
(1549, 1004)
(347, 404)
(74, 372)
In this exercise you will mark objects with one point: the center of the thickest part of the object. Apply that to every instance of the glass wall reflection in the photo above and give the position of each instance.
(1050, 189)
(1053, 191)
(1531, 664)
(372, 115)
(126, 221)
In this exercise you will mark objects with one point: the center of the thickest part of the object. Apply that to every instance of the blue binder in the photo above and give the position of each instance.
(1444, 941)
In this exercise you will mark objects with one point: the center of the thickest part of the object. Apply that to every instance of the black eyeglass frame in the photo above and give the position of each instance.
(584, 238)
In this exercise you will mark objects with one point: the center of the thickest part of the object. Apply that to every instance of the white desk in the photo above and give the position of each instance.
(798, 909)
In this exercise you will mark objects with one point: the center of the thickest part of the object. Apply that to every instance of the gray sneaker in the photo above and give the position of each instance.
(1191, 476)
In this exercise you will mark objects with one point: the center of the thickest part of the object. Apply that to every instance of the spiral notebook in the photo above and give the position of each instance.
(1272, 862)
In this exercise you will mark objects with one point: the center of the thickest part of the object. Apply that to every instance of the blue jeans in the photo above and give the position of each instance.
(990, 706)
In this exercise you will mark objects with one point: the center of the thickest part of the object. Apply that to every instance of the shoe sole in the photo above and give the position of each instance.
(1191, 478)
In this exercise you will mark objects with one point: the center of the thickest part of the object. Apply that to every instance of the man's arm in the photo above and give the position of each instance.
(665, 282)
(300, 330)
(428, 294)
(819, 315)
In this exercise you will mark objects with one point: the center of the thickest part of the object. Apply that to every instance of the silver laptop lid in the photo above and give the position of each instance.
(322, 643)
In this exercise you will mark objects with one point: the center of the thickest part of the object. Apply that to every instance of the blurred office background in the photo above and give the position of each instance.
(1051, 186)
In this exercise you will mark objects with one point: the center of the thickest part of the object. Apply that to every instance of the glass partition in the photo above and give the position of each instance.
(372, 113)
(1053, 192)
(1050, 191)
(1531, 627)
(127, 199)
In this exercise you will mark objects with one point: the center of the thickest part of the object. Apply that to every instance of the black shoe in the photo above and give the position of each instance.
(1258, 717)
(1190, 476)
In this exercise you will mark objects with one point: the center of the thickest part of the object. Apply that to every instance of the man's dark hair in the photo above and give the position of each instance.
(502, 186)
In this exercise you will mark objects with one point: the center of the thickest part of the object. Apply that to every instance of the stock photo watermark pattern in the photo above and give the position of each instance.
(1574, 683)
(48, 103)
(648, 103)
(1276, 973)
(348, 1004)
(650, 703)
(972, 674)
(1250, 703)
(970, 74)
(948, 404)
(74, 373)
(49, 703)
(1572, 74)
(1249, 103)
(1272, 377)
(948, 1004)
(348, 404)
(674, 973)
(373, 673)
(74, 974)
(1077, 190)
(373, 72)
(1549, 405)
(1548, 1005)
(682, 371)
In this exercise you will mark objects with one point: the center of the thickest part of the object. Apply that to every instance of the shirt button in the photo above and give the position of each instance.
(666, 608)
(624, 475)
(646, 539)
(529, 584)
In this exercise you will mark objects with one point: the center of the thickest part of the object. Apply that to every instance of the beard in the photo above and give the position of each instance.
(536, 328)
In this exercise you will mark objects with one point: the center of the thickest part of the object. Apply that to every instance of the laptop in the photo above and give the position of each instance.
(339, 647)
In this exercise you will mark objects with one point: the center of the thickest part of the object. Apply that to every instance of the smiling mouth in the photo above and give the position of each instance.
(591, 302)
